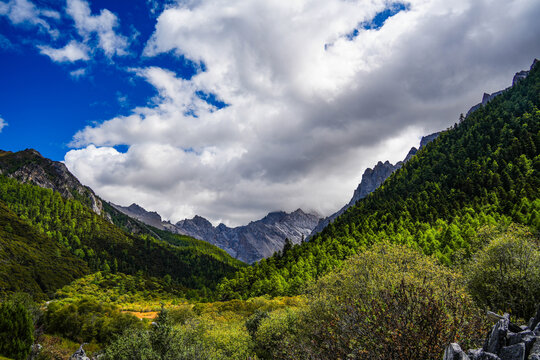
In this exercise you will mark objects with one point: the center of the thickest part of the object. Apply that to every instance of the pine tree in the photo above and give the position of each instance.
(16, 330)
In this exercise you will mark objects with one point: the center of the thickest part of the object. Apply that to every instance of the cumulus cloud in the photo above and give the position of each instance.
(72, 52)
(102, 26)
(3, 124)
(24, 12)
(309, 107)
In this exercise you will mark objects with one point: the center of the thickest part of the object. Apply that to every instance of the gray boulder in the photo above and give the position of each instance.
(497, 337)
(529, 342)
(454, 352)
(513, 352)
(79, 354)
(480, 354)
(534, 353)
(537, 330)
(533, 323)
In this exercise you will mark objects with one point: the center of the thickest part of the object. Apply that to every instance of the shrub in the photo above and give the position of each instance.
(132, 345)
(87, 320)
(252, 323)
(387, 303)
(161, 342)
(276, 333)
(505, 274)
(16, 330)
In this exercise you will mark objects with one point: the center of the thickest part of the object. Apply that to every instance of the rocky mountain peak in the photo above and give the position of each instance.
(137, 212)
(249, 243)
(29, 166)
(410, 154)
(486, 98)
(273, 217)
(371, 180)
(427, 139)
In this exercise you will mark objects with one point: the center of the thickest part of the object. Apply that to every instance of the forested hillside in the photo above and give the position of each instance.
(33, 262)
(103, 246)
(485, 170)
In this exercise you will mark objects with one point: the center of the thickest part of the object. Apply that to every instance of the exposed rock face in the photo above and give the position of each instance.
(488, 97)
(28, 166)
(427, 139)
(371, 180)
(249, 243)
(257, 240)
(505, 341)
(454, 352)
(137, 212)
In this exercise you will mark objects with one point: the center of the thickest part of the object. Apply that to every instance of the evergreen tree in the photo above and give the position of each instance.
(16, 330)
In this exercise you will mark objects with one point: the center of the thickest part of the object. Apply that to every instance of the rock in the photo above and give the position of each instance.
(537, 330)
(371, 180)
(529, 342)
(511, 326)
(256, 240)
(513, 352)
(427, 139)
(137, 212)
(36, 349)
(79, 354)
(28, 166)
(488, 97)
(505, 341)
(519, 76)
(515, 338)
(512, 338)
(480, 354)
(249, 243)
(535, 320)
(497, 337)
(534, 353)
(454, 352)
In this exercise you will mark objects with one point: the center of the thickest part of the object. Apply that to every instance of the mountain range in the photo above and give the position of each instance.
(249, 243)
(262, 238)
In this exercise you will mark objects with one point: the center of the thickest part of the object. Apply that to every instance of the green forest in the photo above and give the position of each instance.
(400, 275)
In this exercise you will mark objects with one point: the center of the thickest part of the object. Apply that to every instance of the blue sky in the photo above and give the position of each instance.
(45, 105)
(231, 109)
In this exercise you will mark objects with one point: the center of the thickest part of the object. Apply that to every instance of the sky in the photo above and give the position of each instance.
(230, 109)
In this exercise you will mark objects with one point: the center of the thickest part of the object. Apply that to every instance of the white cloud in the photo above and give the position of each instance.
(102, 25)
(308, 110)
(3, 124)
(24, 12)
(72, 52)
(78, 73)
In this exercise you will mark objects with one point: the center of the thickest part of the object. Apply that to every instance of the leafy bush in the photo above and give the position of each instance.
(253, 322)
(505, 275)
(276, 333)
(161, 342)
(87, 320)
(16, 330)
(132, 345)
(388, 303)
